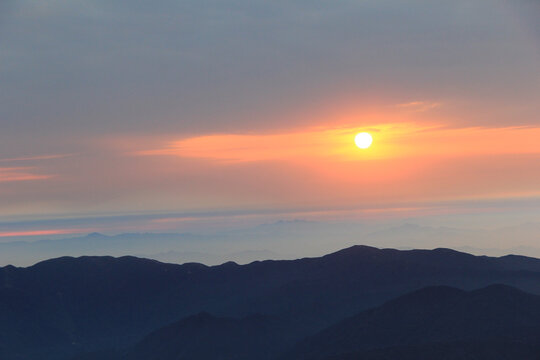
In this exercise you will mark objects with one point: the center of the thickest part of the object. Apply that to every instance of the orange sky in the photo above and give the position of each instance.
(412, 168)
(399, 140)
(407, 162)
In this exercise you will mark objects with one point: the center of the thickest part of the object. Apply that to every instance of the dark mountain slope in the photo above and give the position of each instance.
(360, 277)
(92, 303)
(473, 350)
(204, 336)
(434, 320)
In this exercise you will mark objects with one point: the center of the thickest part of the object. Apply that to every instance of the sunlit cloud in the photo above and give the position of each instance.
(26, 173)
(311, 143)
(390, 141)
(41, 232)
(14, 174)
(38, 157)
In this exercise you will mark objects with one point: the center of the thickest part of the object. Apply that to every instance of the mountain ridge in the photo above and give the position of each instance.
(494, 322)
(95, 302)
(431, 317)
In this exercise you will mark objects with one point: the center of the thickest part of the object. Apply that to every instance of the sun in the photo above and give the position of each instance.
(363, 140)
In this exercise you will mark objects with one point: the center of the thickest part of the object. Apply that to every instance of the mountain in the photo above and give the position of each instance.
(206, 337)
(472, 350)
(210, 249)
(286, 238)
(30, 252)
(436, 322)
(241, 257)
(496, 322)
(64, 306)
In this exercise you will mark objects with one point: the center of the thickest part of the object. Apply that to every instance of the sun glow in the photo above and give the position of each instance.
(363, 140)
(313, 146)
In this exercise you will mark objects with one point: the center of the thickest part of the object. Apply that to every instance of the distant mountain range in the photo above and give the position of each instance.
(174, 248)
(99, 307)
(286, 239)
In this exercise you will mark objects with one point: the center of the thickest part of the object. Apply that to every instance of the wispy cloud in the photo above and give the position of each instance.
(320, 143)
(390, 141)
(419, 106)
(13, 174)
(26, 173)
(41, 232)
(36, 158)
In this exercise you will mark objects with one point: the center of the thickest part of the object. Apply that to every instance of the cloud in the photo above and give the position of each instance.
(400, 140)
(420, 106)
(38, 157)
(40, 232)
(16, 174)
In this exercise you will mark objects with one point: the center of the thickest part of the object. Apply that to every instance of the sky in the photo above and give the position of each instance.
(137, 116)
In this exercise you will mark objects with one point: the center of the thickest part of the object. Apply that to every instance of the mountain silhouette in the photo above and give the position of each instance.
(64, 306)
(206, 337)
(436, 322)
(496, 322)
